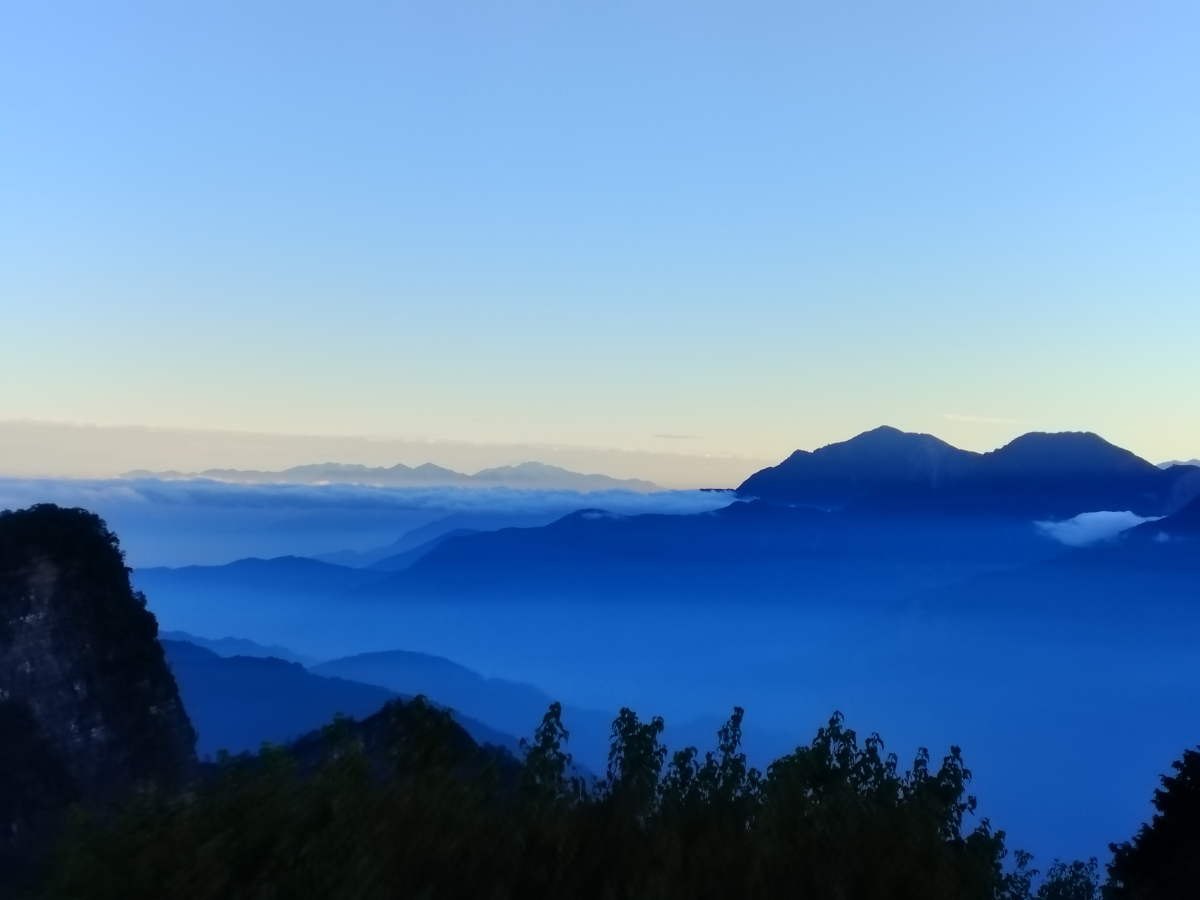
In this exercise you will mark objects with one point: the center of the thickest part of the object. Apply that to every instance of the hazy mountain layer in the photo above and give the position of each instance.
(949, 609)
(239, 702)
(750, 550)
(532, 475)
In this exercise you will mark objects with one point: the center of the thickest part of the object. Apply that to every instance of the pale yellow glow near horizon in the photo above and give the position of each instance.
(32, 449)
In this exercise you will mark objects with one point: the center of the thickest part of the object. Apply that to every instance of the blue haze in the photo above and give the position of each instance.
(179, 523)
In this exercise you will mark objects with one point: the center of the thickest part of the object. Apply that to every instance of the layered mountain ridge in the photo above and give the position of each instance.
(528, 475)
(871, 518)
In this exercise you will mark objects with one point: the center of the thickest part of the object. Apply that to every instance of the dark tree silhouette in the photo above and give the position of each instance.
(1162, 862)
(403, 804)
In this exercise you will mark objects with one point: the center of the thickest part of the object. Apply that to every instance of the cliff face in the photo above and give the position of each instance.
(89, 709)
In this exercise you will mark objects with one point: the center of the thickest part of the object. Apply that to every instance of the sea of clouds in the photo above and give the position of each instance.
(201, 522)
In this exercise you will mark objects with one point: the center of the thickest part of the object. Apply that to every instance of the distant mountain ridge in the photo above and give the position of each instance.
(837, 474)
(1182, 524)
(1179, 462)
(237, 702)
(961, 513)
(1039, 474)
(527, 475)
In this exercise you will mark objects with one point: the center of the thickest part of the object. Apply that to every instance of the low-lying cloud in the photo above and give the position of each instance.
(1091, 527)
(178, 523)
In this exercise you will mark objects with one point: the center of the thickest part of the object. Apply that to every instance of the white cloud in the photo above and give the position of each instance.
(204, 522)
(1091, 527)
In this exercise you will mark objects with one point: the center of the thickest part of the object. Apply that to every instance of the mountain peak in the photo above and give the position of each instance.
(842, 472)
(1063, 454)
(1040, 474)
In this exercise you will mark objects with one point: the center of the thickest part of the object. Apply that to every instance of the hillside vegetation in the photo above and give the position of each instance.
(404, 805)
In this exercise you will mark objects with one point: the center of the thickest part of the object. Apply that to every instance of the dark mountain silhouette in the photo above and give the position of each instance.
(89, 710)
(518, 708)
(837, 474)
(237, 703)
(504, 705)
(1181, 525)
(1037, 475)
(1062, 475)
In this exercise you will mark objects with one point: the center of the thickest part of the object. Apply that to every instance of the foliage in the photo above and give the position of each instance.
(100, 625)
(400, 805)
(1162, 862)
(88, 707)
(1077, 880)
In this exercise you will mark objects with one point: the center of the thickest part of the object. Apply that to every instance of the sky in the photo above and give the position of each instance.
(712, 230)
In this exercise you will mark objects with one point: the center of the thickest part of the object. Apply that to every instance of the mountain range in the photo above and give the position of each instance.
(818, 521)
(891, 576)
(820, 526)
(1179, 462)
(239, 702)
(1037, 475)
(527, 475)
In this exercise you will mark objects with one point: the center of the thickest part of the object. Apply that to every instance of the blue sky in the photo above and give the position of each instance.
(698, 228)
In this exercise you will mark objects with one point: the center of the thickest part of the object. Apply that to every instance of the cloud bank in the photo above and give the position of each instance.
(208, 522)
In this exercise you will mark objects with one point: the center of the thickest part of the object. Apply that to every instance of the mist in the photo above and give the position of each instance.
(200, 522)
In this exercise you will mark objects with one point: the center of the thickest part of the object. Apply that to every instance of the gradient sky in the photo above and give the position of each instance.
(730, 228)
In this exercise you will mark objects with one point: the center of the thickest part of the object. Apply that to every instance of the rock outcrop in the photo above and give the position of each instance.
(89, 710)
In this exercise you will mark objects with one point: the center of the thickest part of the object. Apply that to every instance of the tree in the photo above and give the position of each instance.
(1077, 880)
(1162, 862)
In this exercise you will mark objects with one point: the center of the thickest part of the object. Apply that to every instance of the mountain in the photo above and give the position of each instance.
(258, 598)
(838, 474)
(230, 646)
(755, 551)
(89, 710)
(505, 705)
(920, 515)
(528, 475)
(247, 579)
(1180, 462)
(1130, 585)
(401, 561)
(420, 540)
(1062, 475)
(1037, 475)
(542, 476)
(237, 703)
(1183, 525)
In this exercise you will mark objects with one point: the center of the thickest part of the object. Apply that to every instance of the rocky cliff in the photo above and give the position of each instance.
(89, 710)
